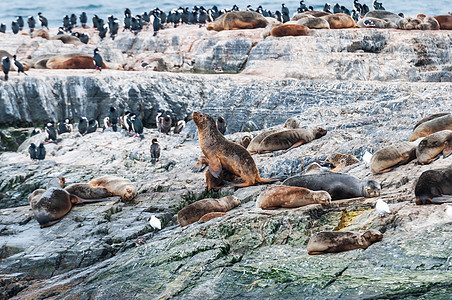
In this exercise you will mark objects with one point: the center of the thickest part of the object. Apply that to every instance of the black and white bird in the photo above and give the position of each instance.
(41, 152)
(137, 126)
(3, 28)
(92, 126)
(97, 59)
(31, 23)
(43, 20)
(83, 19)
(368, 23)
(51, 132)
(32, 151)
(155, 151)
(6, 65)
(14, 27)
(19, 66)
(64, 127)
(179, 126)
(20, 22)
(377, 5)
(82, 125)
(113, 118)
(221, 124)
(327, 8)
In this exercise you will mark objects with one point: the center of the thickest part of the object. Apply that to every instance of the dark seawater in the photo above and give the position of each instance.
(55, 10)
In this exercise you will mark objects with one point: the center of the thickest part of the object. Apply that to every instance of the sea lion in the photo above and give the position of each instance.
(314, 23)
(193, 212)
(341, 161)
(338, 185)
(201, 164)
(117, 186)
(238, 20)
(387, 16)
(254, 144)
(56, 182)
(433, 184)
(313, 13)
(338, 241)
(429, 23)
(428, 118)
(87, 191)
(432, 126)
(412, 23)
(42, 33)
(384, 160)
(445, 21)
(292, 123)
(340, 20)
(245, 141)
(218, 182)
(289, 139)
(379, 23)
(290, 197)
(289, 30)
(432, 145)
(67, 39)
(76, 62)
(212, 215)
(224, 154)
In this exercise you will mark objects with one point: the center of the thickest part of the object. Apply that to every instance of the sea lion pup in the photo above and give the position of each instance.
(432, 126)
(431, 146)
(254, 144)
(76, 62)
(341, 161)
(245, 141)
(338, 241)
(218, 182)
(412, 23)
(429, 23)
(289, 139)
(292, 123)
(193, 212)
(42, 33)
(340, 20)
(387, 16)
(386, 159)
(238, 20)
(313, 13)
(314, 23)
(379, 23)
(432, 184)
(445, 21)
(428, 118)
(338, 185)
(87, 191)
(291, 197)
(224, 154)
(201, 164)
(117, 186)
(289, 30)
(212, 215)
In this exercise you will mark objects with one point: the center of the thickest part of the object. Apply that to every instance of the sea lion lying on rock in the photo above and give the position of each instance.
(87, 191)
(238, 20)
(291, 197)
(387, 16)
(445, 21)
(76, 62)
(384, 160)
(313, 13)
(193, 212)
(340, 20)
(432, 184)
(429, 23)
(438, 122)
(431, 146)
(379, 23)
(314, 23)
(289, 30)
(339, 241)
(117, 186)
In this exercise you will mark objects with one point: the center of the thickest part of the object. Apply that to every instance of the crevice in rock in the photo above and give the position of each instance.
(336, 277)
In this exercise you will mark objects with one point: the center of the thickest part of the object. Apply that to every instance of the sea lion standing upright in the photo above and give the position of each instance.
(433, 184)
(224, 154)
(384, 160)
(434, 144)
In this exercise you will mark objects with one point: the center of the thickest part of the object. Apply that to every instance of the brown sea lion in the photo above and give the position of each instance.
(428, 118)
(201, 164)
(340, 20)
(432, 126)
(76, 62)
(67, 39)
(445, 21)
(412, 23)
(289, 139)
(384, 160)
(224, 154)
(313, 13)
(238, 20)
(431, 146)
(432, 184)
(245, 141)
(117, 186)
(341, 161)
(338, 241)
(314, 23)
(87, 191)
(212, 215)
(254, 144)
(291, 197)
(289, 30)
(42, 33)
(218, 182)
(429, 23)
(193, 212)
(379, 23)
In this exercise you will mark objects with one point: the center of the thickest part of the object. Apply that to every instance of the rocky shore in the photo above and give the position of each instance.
(366, 87)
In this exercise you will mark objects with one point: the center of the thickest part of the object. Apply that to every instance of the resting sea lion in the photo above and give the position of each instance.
(379, 23)
(313, 13)
(289, 30)
(384, 160)
(87, 191)
(338, 185)
(432, 184)
(212, 215)
(341, 161)
(314, 23)
(238, 20)
(117, 186)
(434, 125)
(445, 21)
(429, 23)
(290, 197)
(340, 20)
(338, 241)
(431, 146)
(224, 154)
(291, 138)
(245, 141)
(193, 212)
(76, 62)
(42, 33)
(387, 16)
(428, 118)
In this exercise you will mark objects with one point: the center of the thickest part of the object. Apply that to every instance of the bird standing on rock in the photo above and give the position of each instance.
(92, 126)
(19, 66)
(20, 22)
(137, 126)
(41, 152)
(221, 124)
(3, 28)
(83, 19)
(97, 60)
(14, 27)
(31, 23)
(382, 207)
(43, 20)
(32, 151)
(6, 65)
(155, 151)
(82, 125)
(155, 222)
(51, 132)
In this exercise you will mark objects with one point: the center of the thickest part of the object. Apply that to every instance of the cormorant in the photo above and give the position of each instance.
(43, 20)
(97, 60)
(6, 65)
(19, 66)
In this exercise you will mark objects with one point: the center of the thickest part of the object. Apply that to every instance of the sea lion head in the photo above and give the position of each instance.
(204, 121)
(246, 140)
(319, 132)
(129, 193)
(292, 123)
(371, 188)
(373, 235)
(322, 197)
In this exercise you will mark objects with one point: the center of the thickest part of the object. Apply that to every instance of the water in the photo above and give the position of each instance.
(54, 10)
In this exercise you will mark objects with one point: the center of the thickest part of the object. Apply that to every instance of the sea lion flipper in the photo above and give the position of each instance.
(441, 200)
(447, 149)
(215, 167)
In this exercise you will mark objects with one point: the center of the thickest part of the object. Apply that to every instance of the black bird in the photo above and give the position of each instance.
(51, 132)
(83, 19)
(35, 131)
(327, 8)
(43, 20)
(355, 15)
(202, 19)
(3, 28)
(32, 151)
(6, 65)
(14, 27)
(336, 8)
(368, 23)
(179, 126)
(137, 126)
(20, 22)
(83, 37)
(285, 13)
(302, 7)
(221, 124)
(127, 13)
(19, 66)
(67, 23)
(31, 23)
(156, 23)
(113, 118)
(96, 21)
(377, 5)
(365, 10)
(41, 152)
(60, 31)
(345, 10)
(64, 127)
(155, 151)
(166, 124)
(82, 125)
(97, 60)
(114, 29)
(103, 32)
(278, 16)
(357, 6)
(92, 126)
(73, 20)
